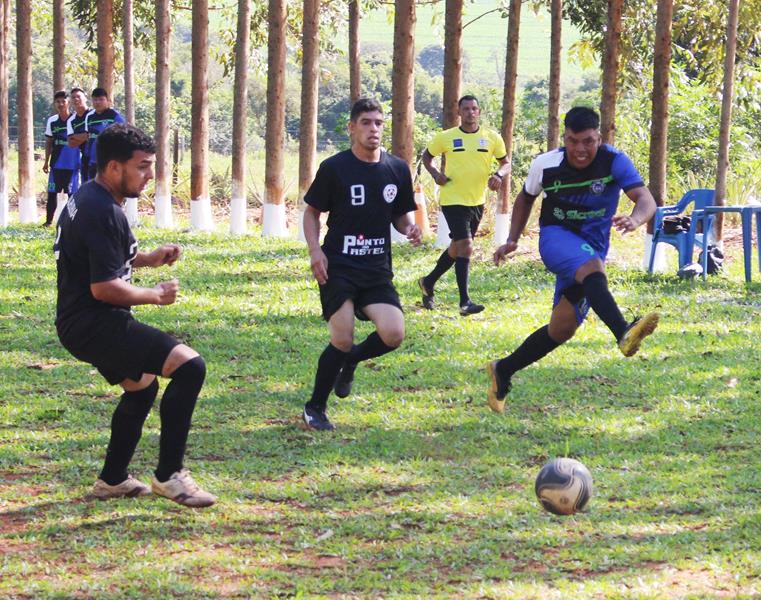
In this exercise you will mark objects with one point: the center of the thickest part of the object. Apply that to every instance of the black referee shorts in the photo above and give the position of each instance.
(121, 348)
(463, 221)
(341, 287)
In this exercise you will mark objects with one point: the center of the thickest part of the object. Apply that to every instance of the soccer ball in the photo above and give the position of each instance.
(564, 486)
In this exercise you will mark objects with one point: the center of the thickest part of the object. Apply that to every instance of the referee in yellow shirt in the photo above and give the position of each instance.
(469, 153)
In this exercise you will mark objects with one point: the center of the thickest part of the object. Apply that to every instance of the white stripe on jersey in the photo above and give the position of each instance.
(550, 159)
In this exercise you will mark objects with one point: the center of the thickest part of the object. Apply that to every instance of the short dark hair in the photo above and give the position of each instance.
(120, 141)
(364, 105)
(60, 94)
(468, 98)
(99, 93)
(581, 118)
(74, 90)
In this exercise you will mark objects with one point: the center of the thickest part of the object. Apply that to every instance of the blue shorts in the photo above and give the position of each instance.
(563, 252)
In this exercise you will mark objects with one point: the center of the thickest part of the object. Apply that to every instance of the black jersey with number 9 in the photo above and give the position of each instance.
(362, 199)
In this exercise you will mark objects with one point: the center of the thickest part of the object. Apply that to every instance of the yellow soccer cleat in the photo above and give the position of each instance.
(498, 389)
(636, 332)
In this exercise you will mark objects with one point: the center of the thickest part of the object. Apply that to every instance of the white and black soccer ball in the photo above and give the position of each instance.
(564, 486)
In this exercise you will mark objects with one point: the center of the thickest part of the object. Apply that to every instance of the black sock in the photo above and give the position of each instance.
(601, 300)
(534, 347)
(177, 406)
(372, 347)
(50, 207)
(126, 429)
(443, 265)
(462, 270)
(329, 364)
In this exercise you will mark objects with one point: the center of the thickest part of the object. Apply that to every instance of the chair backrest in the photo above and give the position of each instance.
(700, 197)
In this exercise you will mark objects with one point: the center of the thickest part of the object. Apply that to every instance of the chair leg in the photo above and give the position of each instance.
(747, 217)
(758, 238)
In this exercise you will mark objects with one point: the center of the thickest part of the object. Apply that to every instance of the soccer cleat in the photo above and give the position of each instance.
(636, 332)
(428, 302)
(498, 389)
(342, 386)
(317, 420)
(129, 488)
(181, 488)
(470, 308)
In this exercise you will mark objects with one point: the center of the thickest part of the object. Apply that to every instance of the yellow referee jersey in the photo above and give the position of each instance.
(469, 163)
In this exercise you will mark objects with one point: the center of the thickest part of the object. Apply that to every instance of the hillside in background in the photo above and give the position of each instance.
(484, 42)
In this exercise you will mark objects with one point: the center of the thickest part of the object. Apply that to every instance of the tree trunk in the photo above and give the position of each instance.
(238, 203)
(610, 72)
(200, 204)
(660, 104)
(508, 100)
(403, 81)
(556, 46)
(26, 200)
(163, 199)
(59, 45)
(273, 222)
(355, 82)
(129, 80)
(5, 19)
(452, 61)
(726, 115)
(310, 79)
(105, 37)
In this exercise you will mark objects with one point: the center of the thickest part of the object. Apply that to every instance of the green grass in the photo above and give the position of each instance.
(421, 491)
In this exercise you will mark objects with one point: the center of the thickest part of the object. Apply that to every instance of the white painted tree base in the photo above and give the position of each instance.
(163, 210)
(442, 231)
(501, 228)
(61, 199)
(27, 210)
(130, 209)
(273, 221)
(659, 262)
(238, 223)
(4, 210)
(200, 215)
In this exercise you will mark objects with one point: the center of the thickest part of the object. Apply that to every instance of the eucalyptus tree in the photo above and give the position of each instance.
(310, 79)
(59, 45)
(502, 225)
(452, 61)
(128, 48)
(556, 46)
(5, 18)
(200, 203)
(610, 71)
(403, 81)
(27, 201)
(274, 218)
(163, 199)
(105, 38)
(238, 202)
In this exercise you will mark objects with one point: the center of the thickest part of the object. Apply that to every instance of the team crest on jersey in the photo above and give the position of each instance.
(598, 187)
(389, 193)
(483, 143)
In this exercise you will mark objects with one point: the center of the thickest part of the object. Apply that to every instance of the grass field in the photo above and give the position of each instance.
(421, 491)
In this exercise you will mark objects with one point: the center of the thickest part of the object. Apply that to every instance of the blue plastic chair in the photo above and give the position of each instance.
(684, 241)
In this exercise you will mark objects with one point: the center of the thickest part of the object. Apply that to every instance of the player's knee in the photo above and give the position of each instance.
(343, 342)
(465, 248)
(392, 336)
(562, 332)
(192, 372)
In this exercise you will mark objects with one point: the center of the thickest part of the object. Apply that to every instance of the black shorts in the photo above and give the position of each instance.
(59, 180)
(342, 286)
(463, 221)
(122, 348)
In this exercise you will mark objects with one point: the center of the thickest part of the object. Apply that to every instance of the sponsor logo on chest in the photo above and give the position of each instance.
(359, 245)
